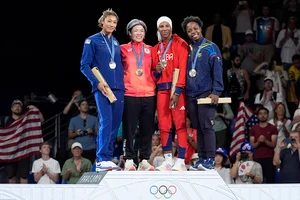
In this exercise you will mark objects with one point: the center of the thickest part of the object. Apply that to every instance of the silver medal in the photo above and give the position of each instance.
(112, 65)
(192, 73)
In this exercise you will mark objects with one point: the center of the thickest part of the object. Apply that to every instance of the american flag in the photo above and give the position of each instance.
(249, 124)
(238, 137)
(22, 138)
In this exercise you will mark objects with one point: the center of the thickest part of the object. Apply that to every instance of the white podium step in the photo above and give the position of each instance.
(151, 186)
(135, 185)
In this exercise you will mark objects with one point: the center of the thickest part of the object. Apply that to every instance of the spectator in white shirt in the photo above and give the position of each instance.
(288, 41)
(46, 170)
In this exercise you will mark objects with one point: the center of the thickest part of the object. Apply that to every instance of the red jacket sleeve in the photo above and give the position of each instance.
(155, 60)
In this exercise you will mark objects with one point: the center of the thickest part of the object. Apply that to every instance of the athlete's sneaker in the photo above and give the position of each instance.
(209, 164)
(113, 165)
(103, 166)
(179, 165)
(129, 165)
(198, 163)
(145, 166)
(164, 167)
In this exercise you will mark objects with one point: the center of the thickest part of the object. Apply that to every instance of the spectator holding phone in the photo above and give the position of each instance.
(289, 159)
(83, 128)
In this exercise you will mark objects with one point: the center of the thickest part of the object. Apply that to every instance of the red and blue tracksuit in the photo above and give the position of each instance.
(176, 57)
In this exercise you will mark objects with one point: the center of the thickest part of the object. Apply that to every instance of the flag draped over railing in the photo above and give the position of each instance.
(22, 138)
(238, 137)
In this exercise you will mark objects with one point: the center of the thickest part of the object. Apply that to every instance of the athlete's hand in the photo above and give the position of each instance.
(214, 98)
(174, 101)
(159, 67)
(103, 88)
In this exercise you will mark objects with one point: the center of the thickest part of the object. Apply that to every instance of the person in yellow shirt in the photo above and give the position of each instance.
(294, 84)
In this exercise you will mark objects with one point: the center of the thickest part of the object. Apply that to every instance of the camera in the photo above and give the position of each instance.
(244, 156)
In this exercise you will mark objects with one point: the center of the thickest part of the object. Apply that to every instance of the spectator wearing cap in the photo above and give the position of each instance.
(171, 52)
(245, 170)
(251, 55)
(139, 100)
(83, 128)
(263, 137)
(220, 163)
(20, 167)
(268, 98)
(74, 167)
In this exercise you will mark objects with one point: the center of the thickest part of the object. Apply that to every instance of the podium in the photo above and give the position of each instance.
(147, 185)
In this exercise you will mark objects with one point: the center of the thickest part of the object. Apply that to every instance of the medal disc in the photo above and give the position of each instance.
(164, 62)
(192, 73)
(139, 72)
(112, 65)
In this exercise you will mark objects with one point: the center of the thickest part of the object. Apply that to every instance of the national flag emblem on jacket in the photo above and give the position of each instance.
(22, 138)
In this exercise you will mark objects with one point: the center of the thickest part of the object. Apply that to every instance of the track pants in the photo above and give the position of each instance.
(202, 118)
(138, 111)
(167, 117)
(110, 117)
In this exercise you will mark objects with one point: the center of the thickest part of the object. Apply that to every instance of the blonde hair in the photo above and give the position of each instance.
(105, 14)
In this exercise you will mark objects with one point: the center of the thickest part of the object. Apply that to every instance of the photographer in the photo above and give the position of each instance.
(252, 174)
(83, 129)
(289, 159)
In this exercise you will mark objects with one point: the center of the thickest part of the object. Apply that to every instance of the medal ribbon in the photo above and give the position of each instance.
(139, 61)
(198, 51)
(112, 49)
(166, 50)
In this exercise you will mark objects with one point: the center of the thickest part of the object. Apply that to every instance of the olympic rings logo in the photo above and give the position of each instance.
(163, 191)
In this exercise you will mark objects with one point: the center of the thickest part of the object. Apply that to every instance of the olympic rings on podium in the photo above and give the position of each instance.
(163, 191)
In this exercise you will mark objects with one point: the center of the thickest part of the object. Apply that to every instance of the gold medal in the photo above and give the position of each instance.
(163, 62)
(139, 72)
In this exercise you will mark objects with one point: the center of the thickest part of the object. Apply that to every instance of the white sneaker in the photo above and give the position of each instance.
(145, 166)
(179, 165)
(103, 166)
(164, 167)
(129, 165)
(113, 165)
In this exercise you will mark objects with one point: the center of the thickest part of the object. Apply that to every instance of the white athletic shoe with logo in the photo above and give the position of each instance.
(106, 166)
(145, 166)
(179, 165)
(130, 165)
(164, 167)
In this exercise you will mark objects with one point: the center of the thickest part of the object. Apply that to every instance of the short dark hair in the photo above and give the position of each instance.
(263, 108)
(296, 57)
(191, 19)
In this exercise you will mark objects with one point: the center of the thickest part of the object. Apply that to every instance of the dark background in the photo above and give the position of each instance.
(41, 42)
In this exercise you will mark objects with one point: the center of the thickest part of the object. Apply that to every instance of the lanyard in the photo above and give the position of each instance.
(139, 61)
(166, 50)
(112, 49)
(198, 51)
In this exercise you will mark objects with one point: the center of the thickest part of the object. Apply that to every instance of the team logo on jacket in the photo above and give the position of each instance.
(147, 51)
(116, 43)
(87, 41)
